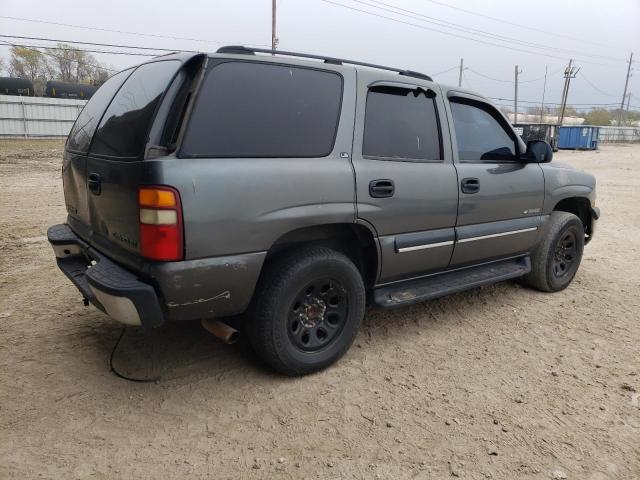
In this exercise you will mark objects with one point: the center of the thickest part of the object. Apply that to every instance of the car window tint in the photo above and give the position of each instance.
(401, 123)
(86, 123)
(258, 110)
(479, 134)
(124, 127)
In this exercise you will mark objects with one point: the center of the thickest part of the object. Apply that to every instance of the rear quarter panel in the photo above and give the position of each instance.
(244, 205)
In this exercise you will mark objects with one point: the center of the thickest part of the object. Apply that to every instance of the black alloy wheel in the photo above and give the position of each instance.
(318, 314)
(566, 253)
(306, 310)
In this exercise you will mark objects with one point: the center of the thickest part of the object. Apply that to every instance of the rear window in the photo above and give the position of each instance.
(124, 127)
(86, 123)
(401, 123)
(260, 110)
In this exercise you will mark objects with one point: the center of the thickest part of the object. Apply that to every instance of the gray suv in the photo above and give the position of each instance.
(292, 188)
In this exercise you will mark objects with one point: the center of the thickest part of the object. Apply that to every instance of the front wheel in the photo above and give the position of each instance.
(555, 261)
(307, 309)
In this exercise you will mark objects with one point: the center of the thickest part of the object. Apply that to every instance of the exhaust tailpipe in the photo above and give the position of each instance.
(224, 332)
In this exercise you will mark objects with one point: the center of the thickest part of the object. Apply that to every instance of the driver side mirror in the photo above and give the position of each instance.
(538, 151)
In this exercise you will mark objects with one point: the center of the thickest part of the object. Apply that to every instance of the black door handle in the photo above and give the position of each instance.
(94, 181)
(383, 188)
(470, 185)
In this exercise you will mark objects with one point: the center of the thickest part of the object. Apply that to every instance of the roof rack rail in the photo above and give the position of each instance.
(241, 50)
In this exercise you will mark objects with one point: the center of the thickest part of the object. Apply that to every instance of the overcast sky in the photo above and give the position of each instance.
(598, 34)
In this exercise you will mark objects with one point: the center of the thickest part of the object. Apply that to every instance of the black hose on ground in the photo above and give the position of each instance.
(120, 375)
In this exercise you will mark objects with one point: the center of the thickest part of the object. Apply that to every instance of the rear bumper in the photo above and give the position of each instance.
(150, 293)
(111, 288)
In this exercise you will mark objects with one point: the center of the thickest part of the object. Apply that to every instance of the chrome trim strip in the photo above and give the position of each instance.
(494, 235)
(422, 247)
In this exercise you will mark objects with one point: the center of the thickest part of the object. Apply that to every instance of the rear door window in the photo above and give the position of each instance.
(123, 131)
(247, 109)
(86, 123)
(401, 124)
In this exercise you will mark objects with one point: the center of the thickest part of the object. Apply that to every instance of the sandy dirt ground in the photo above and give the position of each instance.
(499, 382)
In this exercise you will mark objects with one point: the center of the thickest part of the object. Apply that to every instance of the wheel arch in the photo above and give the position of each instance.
(355, 240)
(580, 207)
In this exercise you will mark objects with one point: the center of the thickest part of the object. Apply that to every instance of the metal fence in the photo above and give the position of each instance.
(619, 134)
(30, 117)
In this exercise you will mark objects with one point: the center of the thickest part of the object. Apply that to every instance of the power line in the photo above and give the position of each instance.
(140, 34)
(554, 103)
(543, 76)
(110, 52)
(511, 81)
(95, 44)
(528, 27)
(445, 71)
(475, 31)
(488, 77)
(456, 35)
(594, 87)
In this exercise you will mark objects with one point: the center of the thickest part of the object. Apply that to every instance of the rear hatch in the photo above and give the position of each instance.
(104, 156)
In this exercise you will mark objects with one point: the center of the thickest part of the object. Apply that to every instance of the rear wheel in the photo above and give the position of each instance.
(555, 261)
(307, 310)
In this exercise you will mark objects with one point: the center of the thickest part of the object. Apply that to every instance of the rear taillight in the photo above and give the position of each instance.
(161, 235)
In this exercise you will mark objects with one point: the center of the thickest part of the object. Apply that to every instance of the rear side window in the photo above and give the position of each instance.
(259, 110)
(86, 123)
(124, 127)
(401, 123)
(479, 133)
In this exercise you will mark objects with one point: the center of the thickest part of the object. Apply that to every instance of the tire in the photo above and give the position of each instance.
(556, 259)
(307, 308)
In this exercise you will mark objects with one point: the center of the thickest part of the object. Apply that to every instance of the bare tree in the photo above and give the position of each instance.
(99, 74)
(30, 64)
(73, 65)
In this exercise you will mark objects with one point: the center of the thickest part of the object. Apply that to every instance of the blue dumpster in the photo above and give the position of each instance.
(578, 136)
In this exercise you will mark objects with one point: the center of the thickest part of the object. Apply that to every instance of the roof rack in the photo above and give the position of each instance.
(241, 50)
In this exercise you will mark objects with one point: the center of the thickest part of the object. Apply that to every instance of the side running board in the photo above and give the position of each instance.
(439, 285)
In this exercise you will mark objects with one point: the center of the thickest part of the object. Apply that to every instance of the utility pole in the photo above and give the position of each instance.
(515, 98)
(624, 94)
(544, 91)
(628, 102)
(461, 69)
(570, 72)
(274, 38)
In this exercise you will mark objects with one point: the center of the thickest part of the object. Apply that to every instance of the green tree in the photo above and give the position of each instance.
(598, 117)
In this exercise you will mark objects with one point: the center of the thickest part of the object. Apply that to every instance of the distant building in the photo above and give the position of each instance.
(550, 119)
